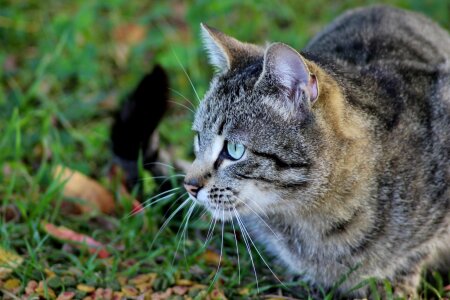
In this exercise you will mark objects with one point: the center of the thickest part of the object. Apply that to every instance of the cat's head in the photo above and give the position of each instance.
(255, 147)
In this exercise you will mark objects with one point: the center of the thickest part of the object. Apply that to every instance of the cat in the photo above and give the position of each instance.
(337, 158)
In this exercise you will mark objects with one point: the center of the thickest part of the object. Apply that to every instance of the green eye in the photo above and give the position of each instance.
(235, 151)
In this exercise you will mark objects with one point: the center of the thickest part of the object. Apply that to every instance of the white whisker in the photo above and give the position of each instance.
(245, 232)
(237, 251)
(221, 250)
(159, 163)
(184, 97)
(261, 218)
(160, 194)
(169, 219)
(187, 75)
(183, 229)
(188, 108)
(211, 230)
(248, 248)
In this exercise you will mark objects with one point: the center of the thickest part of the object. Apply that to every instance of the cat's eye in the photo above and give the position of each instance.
(235, 150)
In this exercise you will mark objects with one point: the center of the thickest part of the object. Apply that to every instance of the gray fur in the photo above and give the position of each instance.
(358, 179)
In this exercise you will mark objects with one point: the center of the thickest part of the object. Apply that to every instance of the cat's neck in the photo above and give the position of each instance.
(348, 139)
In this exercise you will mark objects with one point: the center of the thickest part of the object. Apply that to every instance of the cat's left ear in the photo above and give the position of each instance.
(226, 52)
(285, 68)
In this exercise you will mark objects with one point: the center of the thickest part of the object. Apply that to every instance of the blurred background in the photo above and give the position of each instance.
(65, 67)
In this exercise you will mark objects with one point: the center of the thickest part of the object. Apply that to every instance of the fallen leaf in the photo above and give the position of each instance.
(184, 282)
(31, 287)
(12, 285)
(162, 295)
(180, 290)
(77, 185)
(129, 291)
(45, 291)
(143, 278)
(211, 257)
(217, 295)
(66, 296)
(129, 33)
(77, 239)
(8, 262)
(85, 288)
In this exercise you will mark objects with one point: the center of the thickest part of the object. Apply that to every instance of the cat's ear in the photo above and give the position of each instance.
(225, 52)
(286, 68)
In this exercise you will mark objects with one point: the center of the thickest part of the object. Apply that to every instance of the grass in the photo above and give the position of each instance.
(65, 65)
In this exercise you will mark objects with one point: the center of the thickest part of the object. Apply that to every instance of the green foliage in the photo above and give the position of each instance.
(64, 66)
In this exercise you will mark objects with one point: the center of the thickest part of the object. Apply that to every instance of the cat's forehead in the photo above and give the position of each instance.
(230, 100)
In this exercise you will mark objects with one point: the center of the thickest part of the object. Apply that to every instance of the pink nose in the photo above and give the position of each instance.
(191, 189)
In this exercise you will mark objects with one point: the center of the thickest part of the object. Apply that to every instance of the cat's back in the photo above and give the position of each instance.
(382, 33)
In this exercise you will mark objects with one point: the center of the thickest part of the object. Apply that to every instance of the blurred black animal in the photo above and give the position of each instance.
(134, 128)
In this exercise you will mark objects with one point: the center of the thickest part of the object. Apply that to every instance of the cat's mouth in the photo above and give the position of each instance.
(221, 208)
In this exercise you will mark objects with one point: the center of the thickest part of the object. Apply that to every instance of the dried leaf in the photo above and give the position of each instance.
(180, 290)
(85, 288)
(66, 296)
(129, 291)
(77, 185)
(184, 282)
(45, 291)
(143, 278)
(217, 295)
(211, 257)
(77, 239)
(162, 295)
(8, 262)
(12, 285)
(129, 34)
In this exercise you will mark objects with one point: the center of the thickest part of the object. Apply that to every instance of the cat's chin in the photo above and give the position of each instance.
(222, 214)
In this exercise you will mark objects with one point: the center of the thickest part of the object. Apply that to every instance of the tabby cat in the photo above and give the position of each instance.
(343, 150)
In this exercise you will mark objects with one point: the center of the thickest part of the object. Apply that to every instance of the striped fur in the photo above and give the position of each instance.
(357, 179)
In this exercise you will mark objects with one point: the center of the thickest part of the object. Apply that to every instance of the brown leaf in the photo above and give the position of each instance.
(66, 296)
(211, 257)
(77, 185)
(180, 290)
(162, 295)
(8, 262)
(130, 34)
(77, 239)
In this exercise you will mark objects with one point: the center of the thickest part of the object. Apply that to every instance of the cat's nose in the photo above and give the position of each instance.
(192, 186)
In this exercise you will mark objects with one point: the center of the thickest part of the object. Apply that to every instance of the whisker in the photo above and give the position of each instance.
(261, 218)
(248, 248)
(160, 194)
(221, 251)
(169, 219)
(146, 205)
(185, 232)
(184, 97)
(161, 177)
(159, 163)
(182, 229)
(181, 104)
(237, 251)
(187, 75)
(210, 231)
(259, 253)
(257, 205)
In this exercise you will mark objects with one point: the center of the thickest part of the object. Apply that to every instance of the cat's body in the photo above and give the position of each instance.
(350, 166)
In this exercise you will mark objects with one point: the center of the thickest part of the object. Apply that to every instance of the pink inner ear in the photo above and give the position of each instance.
(313, 88)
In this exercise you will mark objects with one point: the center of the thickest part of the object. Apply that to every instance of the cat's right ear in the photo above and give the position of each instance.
(225, 52)
(287, 70)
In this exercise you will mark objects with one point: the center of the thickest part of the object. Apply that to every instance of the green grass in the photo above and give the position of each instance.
(63, 72)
